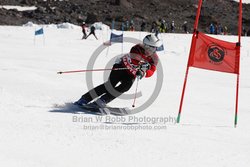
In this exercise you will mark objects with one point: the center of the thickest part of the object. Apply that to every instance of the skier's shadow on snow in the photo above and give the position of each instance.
(70, 108)
(73, 109)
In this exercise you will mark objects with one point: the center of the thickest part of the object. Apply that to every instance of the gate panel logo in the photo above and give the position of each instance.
(216, 53)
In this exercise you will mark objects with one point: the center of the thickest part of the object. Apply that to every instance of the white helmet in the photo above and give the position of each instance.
(152, 40)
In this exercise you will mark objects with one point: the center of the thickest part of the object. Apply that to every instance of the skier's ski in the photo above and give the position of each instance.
(115, 111)
(92, 109)
(107, 110)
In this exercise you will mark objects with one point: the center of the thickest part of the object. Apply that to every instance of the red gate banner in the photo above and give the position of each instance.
(214, 54)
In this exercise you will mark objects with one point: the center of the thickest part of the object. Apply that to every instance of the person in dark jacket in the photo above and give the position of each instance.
(92, 31)
(184, 27)
(143, 26)
(84, 30)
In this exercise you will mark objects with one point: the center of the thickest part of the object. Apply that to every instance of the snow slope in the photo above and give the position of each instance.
(19, 8)
(38, 129)
(243, 1)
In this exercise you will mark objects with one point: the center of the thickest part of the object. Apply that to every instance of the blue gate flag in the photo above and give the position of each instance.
(39, 32)
(116, 38)
(161, 48)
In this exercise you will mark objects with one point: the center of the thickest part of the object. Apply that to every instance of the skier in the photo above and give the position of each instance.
(92, 31)
(140, 62)
(84, 30)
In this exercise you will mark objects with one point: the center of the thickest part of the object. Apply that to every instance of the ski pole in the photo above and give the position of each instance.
(104, 69)
(137, 81)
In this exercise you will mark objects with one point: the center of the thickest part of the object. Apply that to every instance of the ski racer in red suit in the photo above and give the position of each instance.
(140, 62)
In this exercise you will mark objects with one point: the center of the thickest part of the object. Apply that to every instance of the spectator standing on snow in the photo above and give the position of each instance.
(244, 32)
(84, 30)
(211, 28)
(143, 25)
(248, 32)
(155, 29)
(225, 30)
(172, 26)
(131, 26)
(184, 26)
(163, 27)
(220, 30)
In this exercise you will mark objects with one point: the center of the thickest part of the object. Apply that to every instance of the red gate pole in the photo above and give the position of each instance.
(193, 45)
(238, 56)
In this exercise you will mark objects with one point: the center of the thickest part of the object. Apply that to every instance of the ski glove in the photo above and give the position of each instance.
(139, 74)
(145, 66)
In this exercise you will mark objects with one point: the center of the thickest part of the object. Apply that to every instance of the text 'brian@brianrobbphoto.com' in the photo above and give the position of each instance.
(109, 122)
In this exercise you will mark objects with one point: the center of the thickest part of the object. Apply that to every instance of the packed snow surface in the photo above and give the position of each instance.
(39, 127)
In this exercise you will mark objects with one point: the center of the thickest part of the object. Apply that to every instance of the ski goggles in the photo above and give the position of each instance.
(150, 49)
